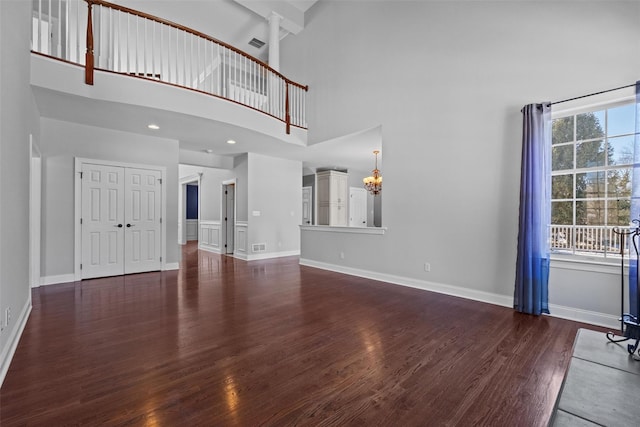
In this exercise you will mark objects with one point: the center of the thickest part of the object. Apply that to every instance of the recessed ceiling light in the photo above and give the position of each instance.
(231, 141)
(154, 127)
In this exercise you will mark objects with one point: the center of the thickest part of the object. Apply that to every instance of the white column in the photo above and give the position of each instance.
(274, 41)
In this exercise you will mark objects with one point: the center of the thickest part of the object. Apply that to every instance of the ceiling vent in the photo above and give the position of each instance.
(256, 43)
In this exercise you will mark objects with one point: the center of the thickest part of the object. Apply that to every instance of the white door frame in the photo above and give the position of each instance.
(314, 196)
(182, 206)
(35, 213)
(77, 250)
(223, 212)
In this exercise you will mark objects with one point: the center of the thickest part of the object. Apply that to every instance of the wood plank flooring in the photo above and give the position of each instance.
(224, 342)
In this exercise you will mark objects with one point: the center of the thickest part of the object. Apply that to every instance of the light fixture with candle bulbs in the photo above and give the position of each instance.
(373, 183)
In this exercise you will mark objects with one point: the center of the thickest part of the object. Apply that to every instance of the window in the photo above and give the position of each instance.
(592, 155)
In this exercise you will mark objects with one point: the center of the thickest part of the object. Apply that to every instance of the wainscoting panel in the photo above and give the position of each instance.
(240, 249)
(192, 229)
(210, 236)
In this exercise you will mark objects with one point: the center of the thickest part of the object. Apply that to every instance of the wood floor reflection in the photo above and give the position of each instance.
(224, 342)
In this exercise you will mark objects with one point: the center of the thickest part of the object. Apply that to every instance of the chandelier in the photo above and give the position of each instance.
(373, 183)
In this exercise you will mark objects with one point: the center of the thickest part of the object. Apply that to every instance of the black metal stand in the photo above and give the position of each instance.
(629, 326)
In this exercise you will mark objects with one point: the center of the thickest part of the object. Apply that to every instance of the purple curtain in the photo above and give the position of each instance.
(634, 296)
(532, 265)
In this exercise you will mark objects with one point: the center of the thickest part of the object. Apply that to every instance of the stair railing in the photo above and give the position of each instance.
(125, 41)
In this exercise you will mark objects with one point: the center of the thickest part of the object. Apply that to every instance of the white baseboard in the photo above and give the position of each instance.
(171, 266)
(569, 313)
(67, 278)
(12, 343)
(585, 316)
(265, 255)
(60, 278)
(440, 288)
(269, 255)
(208, 248)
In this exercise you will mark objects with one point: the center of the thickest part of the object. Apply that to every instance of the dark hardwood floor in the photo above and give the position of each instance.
(225, 342)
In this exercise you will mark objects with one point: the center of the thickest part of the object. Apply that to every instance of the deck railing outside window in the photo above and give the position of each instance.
(585, 240)
(125, 41)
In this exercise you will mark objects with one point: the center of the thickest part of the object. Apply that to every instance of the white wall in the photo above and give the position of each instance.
(275, 191)
(447, 80)
(209, 160)
(241, 173)
(61, 143)
(18, 119)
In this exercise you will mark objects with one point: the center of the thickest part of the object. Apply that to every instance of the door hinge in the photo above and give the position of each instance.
(80, 266)
(80, 221)
(225, 245)
(160, 181)
(80, 175)
(160, 259)
(225, 218)
(160, 220)
(226, 192)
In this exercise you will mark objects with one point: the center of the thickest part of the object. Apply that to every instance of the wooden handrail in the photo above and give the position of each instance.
(89, 57)
(195, 33)
(95, 59)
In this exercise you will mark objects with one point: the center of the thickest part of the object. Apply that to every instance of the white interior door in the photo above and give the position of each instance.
(357, 207)
(306, 206)
(142, 238)
(120, 220)
(102, 221)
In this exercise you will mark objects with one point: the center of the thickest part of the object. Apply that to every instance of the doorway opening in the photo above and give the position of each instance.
(189, 209)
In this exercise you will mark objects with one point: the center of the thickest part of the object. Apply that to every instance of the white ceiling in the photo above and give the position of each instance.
(198, 134)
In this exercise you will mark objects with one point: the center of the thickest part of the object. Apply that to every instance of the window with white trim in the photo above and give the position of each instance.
(592, 156)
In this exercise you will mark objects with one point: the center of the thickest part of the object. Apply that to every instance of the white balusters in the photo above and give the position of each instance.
(59, 38)
(130, 43)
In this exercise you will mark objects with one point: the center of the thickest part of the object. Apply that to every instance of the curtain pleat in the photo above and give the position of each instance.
(634, 303)
(532, 264)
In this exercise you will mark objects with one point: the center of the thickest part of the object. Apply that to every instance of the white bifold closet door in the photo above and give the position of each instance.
(121, 222)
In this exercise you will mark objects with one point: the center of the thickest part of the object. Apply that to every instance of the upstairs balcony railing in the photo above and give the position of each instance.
(104, 36)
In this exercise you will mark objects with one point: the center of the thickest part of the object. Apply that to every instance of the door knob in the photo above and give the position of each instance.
(119, 225)
(129, 225)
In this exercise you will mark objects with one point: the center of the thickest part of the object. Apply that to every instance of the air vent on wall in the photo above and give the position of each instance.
(259, 247)
(256, 43)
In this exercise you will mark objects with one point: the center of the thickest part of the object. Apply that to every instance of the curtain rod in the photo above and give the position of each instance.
(593, 94)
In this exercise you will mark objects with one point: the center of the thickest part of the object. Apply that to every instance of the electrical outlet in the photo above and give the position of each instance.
(427, 267)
